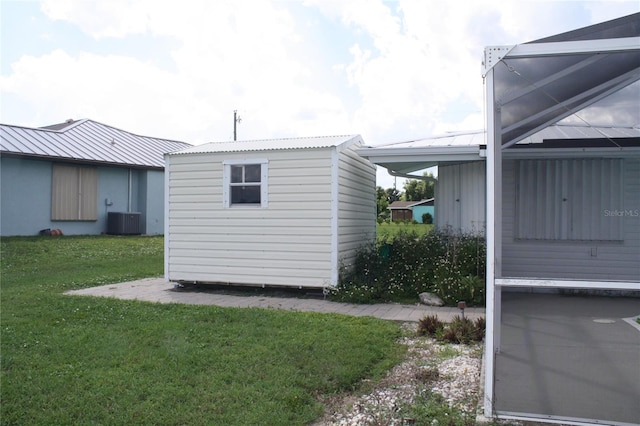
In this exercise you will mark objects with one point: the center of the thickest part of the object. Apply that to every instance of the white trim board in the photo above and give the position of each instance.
(551, 283)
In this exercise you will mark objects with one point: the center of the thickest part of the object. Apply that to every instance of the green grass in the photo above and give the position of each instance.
(82, 360)
(388, 231)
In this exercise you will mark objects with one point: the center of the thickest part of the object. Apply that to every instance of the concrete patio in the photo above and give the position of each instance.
(160, 291)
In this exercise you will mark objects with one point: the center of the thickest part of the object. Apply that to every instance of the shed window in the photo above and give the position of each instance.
(74, 193)
(573, 199)
(245, 183)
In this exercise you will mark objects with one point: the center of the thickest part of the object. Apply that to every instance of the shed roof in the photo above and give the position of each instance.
(272, 144)
(86, 141)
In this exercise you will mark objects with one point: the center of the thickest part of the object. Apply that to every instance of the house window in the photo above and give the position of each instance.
(569, 199)
(245, 183)
(74, 193)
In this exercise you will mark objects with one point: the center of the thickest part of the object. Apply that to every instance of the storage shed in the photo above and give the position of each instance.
(280, 212)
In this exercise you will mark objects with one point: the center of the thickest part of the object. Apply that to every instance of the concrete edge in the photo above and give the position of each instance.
(632, 322)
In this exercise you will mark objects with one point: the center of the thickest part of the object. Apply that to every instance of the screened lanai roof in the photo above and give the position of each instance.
(541, 82)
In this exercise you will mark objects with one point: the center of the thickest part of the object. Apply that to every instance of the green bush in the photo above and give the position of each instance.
(451, 265)
(427, 218)
(460, 330)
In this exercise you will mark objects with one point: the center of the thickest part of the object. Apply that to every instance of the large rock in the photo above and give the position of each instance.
(430, 299)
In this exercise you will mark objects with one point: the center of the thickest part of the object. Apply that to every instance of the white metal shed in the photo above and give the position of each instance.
(280, 212)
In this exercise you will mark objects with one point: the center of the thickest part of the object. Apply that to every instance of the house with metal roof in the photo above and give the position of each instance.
(81, 177)
(278, 212)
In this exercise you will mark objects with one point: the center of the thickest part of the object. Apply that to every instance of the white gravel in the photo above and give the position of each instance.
(452, 371)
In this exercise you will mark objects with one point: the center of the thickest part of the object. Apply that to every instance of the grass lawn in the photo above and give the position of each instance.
(387, 231)
(80, 360)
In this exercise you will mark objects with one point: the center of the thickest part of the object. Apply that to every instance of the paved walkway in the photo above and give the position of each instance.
(158, 290)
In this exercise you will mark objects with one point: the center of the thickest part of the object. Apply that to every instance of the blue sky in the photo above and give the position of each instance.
(390, 71)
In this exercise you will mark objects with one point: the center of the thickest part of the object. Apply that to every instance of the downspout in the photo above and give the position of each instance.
(129, 194)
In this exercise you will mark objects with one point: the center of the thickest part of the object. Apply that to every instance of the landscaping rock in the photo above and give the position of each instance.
(430, 299)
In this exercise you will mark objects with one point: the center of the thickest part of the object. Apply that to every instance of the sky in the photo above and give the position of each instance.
(389, 71)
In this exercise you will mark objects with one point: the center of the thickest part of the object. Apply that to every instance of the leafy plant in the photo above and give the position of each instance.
(460, 330)
(429, 325)
(427, 218)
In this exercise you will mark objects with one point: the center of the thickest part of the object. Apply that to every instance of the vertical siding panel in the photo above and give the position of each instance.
(460, 197)
(614, 185)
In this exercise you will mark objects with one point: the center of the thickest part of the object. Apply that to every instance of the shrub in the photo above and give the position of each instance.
(460, 330)
(451, 265)
(427, 218)
(430, 326)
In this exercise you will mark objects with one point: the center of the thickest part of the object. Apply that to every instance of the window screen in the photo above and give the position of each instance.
(570, 199)
(245, 183)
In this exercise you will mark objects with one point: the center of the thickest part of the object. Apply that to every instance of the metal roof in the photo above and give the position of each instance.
(409, 156)
(271, 144)
(477, 138)
(87, 141)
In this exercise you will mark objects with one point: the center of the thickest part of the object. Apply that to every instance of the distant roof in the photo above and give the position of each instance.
(402, 205)
(87, 141)
(272, 144)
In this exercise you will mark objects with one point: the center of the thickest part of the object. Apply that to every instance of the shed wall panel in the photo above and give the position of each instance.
(287, 243)
(356, 204)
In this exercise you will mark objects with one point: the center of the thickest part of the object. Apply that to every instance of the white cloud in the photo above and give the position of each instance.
(412, 67)
(227, 57)
(114, 18)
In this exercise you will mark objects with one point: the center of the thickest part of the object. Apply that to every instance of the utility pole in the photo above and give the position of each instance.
(236, 119)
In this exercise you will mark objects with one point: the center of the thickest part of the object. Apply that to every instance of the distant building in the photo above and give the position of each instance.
(411, 210)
